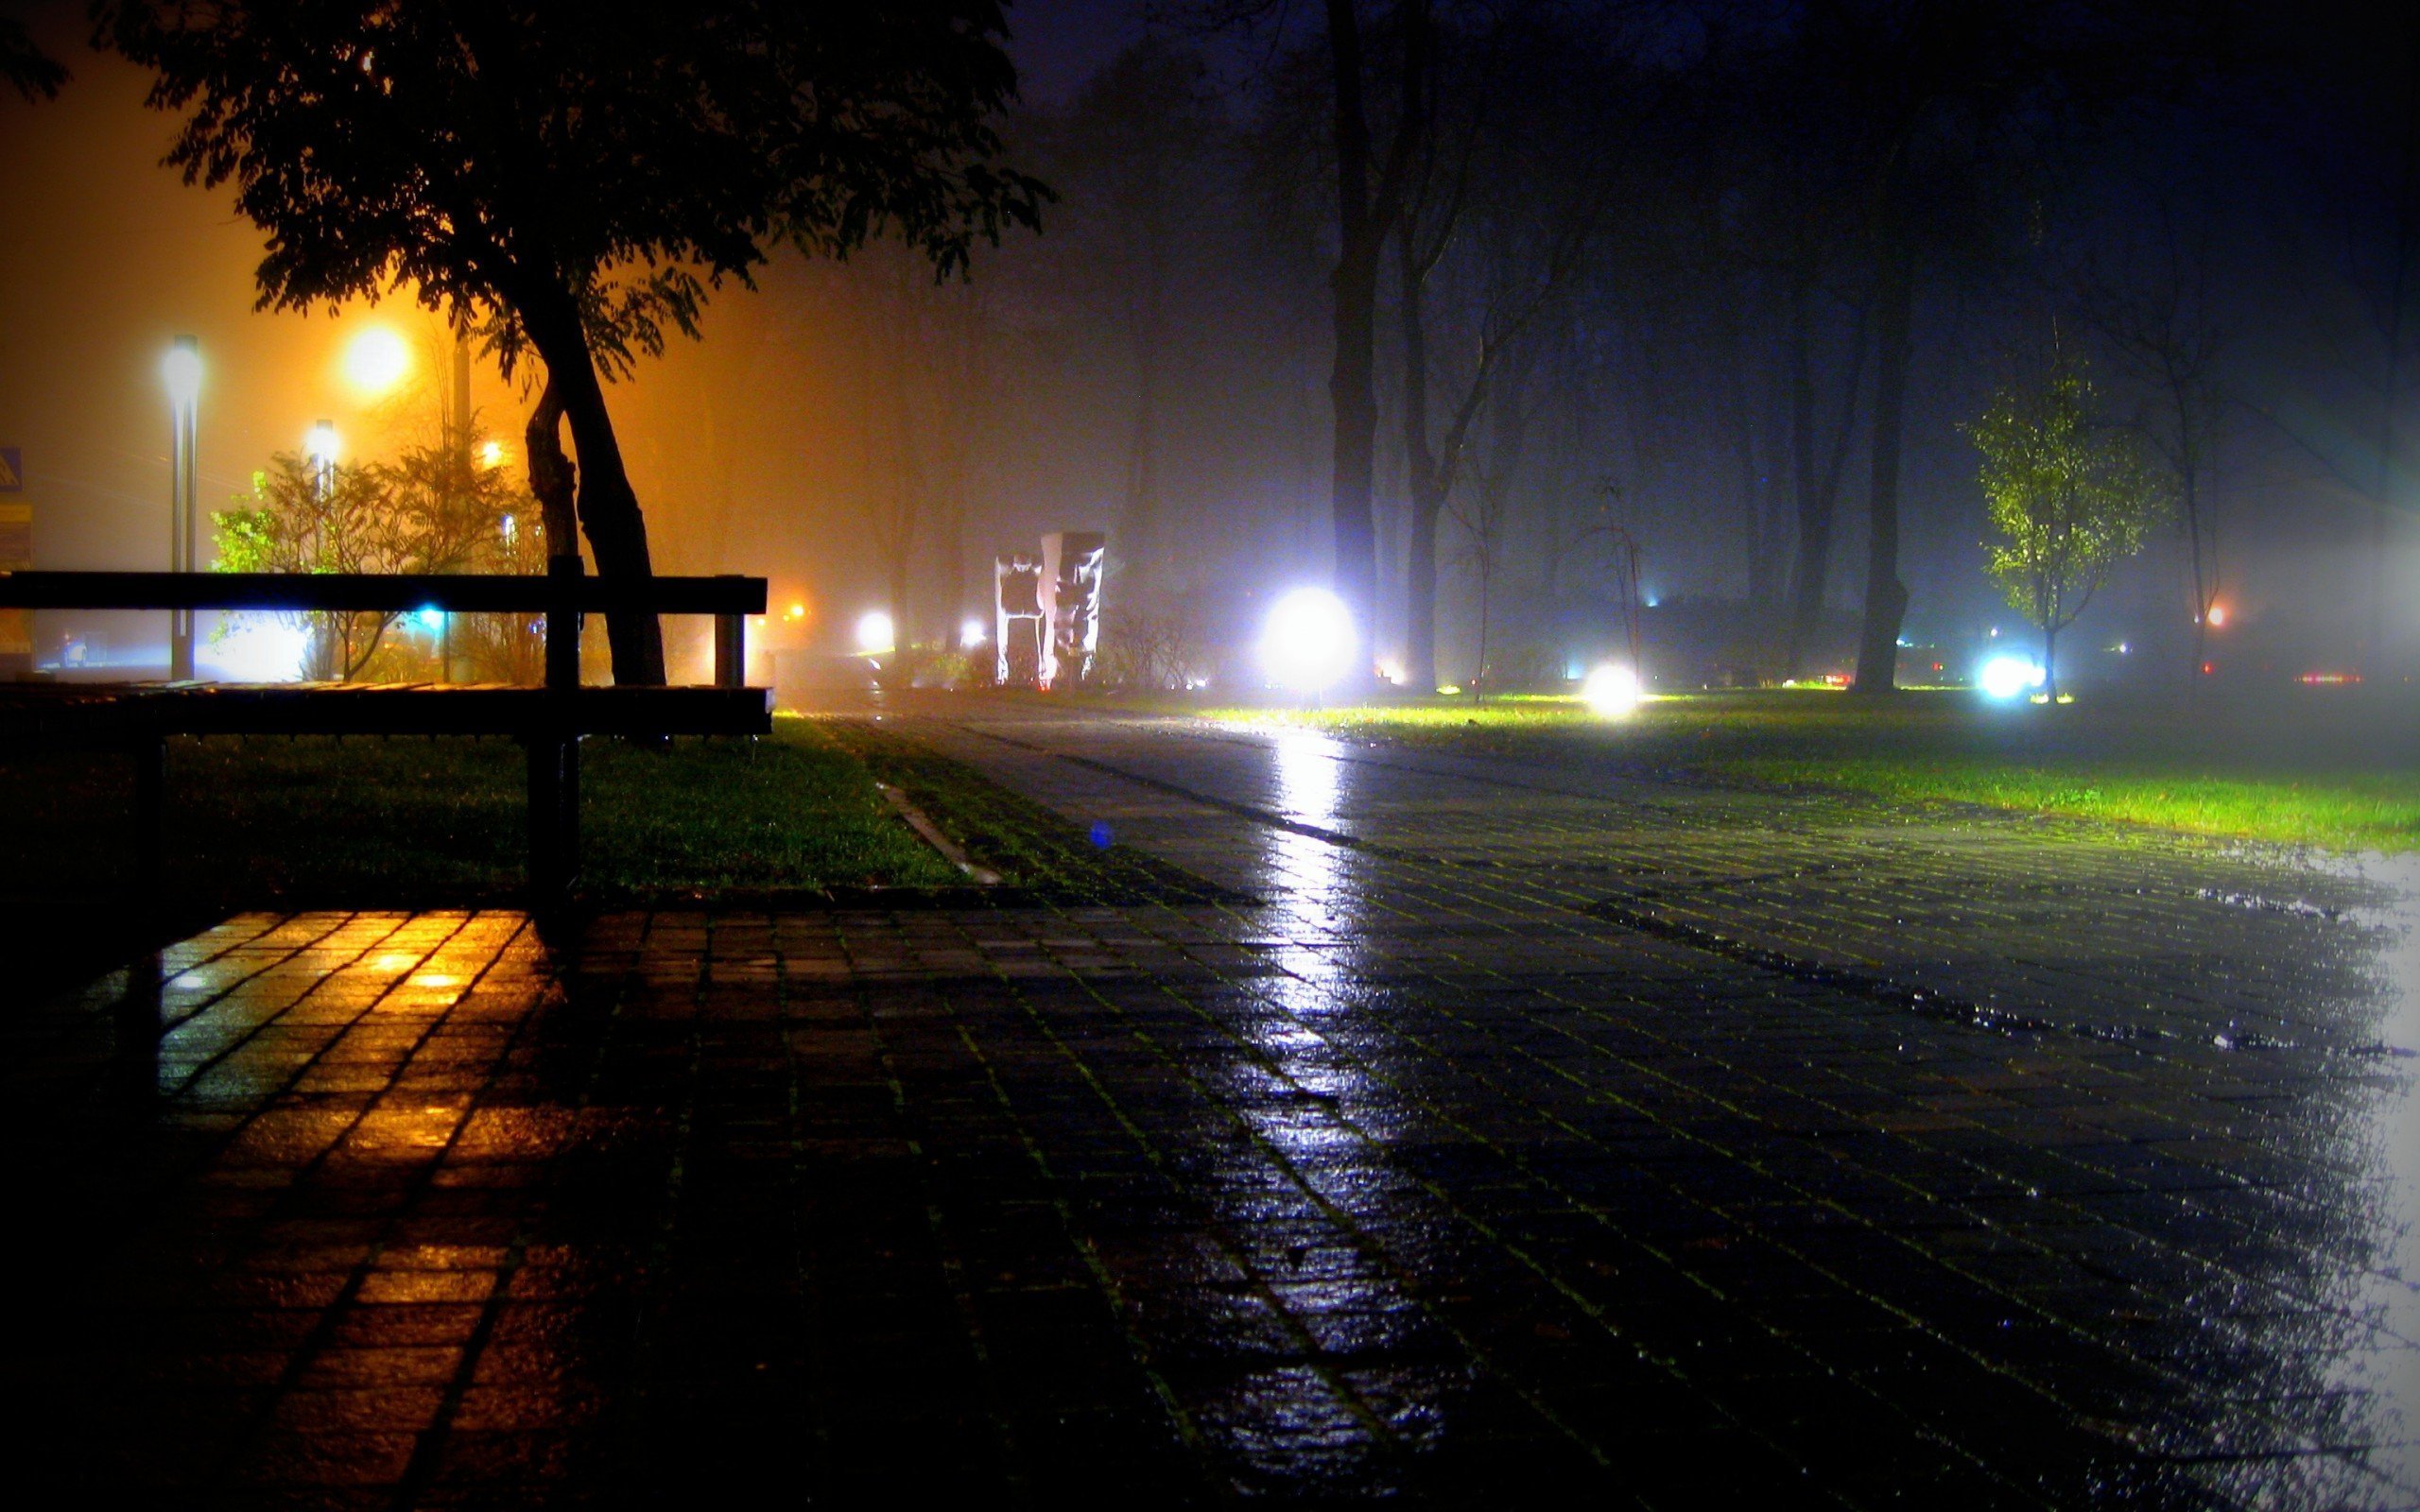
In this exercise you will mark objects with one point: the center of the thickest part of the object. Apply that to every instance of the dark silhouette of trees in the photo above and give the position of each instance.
(1370, 182)
(576, 176)
(1509, 178)
(2152, 301)
(1142, 138)
(24, 66)
(2350, 80)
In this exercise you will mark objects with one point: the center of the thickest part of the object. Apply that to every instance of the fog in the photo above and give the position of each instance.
(1155, 364)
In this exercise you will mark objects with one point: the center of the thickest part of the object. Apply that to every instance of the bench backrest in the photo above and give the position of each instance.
(569, 595)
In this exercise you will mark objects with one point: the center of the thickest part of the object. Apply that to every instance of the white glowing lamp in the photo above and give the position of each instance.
(1308, 643)
(2008, 677)
(1612, 691)
(181, 369)
(973, 632)
(321, 444)
(874, 633)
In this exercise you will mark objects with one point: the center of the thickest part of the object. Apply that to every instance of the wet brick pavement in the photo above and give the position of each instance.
(1511, 1134)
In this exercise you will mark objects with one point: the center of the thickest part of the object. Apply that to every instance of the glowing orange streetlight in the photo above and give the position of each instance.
(376, 360)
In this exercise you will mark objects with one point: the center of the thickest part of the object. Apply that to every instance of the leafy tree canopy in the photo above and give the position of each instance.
(575, 175)
(434, 509)
(628, 152)
(25, 67)
(2068, 498)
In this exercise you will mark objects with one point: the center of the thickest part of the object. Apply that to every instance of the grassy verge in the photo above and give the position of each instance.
(2339, 773)
(370, 822)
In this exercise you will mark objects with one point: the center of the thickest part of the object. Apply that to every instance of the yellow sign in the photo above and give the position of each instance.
(16, 552)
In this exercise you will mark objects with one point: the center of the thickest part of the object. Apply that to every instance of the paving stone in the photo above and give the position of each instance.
(1381, 1125)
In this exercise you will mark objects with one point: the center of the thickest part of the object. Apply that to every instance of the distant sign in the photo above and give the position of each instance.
(16, 554)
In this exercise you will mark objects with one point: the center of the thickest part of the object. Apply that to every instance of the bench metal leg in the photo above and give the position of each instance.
(135, 1065)
(554, 820)
(150, 811)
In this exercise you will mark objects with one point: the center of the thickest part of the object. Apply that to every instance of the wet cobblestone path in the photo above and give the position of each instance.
(1475, 1133)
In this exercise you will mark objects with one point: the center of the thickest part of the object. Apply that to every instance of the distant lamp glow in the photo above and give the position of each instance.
(512, 528)
(320, 445)
(259, 649)
(376, 360)
(2008, 677)
(972, 633)
(874, 633)
(1308, 643)
(181, 369)
(1612, 691)
(2217, 616)
(491, 453)
(431, 618)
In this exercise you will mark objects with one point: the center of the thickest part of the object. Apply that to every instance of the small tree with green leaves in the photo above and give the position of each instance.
(2068, 498)
(432, 511)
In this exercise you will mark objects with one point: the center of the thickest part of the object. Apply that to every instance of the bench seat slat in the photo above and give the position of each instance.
(385, 709)
(388, 592)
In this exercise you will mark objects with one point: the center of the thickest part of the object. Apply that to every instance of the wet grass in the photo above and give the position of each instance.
(368, 822)
(2323, 768)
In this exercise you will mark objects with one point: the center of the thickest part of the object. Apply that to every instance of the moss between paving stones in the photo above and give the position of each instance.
(1036, 852)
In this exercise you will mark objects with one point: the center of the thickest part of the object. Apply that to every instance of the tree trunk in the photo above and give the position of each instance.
(1364, 221)
(1420, 598)
(2407, 205)
(1813, 565)
(609, 508)
(1818, 487)
(2050, 663)
(552, 477)
(1752, 515)
(1143, 547)
(1886, 597)
(1480, 687)
(1428, 499)
(1355, 407)
(2193, 488)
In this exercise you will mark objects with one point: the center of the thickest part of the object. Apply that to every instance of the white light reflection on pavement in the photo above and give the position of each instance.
(1309, 875)
(1319, 1117)
(2382, 1139)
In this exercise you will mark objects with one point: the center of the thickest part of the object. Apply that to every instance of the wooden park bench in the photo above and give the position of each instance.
(549, 719)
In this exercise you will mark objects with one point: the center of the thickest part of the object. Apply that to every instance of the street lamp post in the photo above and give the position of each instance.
(182, 373)
(320, 445)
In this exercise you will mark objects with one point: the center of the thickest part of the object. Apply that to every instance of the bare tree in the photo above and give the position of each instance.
(2153, 304)
(1526, 238)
